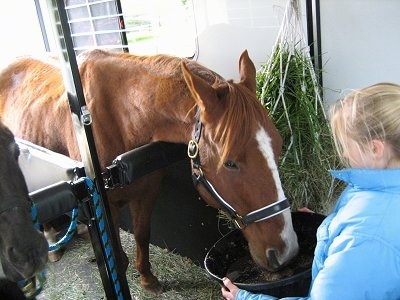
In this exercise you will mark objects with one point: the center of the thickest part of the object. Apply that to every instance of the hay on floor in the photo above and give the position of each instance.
(76, 276)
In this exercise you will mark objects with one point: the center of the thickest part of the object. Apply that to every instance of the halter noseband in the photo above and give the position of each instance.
(239, 221)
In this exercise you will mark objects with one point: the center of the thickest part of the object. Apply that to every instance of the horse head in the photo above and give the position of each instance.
(23, 249)
(234, 151)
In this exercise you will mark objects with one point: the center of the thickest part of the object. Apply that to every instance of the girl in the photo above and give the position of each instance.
(357, 255)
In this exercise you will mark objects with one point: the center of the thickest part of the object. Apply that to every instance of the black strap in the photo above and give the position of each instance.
(226, 207)
(241, 221)
(266, 212)
(193, 145)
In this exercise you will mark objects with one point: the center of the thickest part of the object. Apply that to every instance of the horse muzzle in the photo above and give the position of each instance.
(289, 237)
(273, 260)
(24, 262)
(276, 261)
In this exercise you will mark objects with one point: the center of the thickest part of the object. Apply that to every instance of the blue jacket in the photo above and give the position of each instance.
(358, 246)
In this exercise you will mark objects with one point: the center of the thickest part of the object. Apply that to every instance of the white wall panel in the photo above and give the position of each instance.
(360, 44)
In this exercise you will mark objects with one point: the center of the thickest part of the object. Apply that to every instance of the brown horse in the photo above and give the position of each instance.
(135, 100)
(23, 249)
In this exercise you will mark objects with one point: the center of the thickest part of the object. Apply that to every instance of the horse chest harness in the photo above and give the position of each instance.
(239, 221)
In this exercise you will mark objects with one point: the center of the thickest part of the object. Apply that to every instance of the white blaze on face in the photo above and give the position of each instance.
(265, 146)
(287, 234)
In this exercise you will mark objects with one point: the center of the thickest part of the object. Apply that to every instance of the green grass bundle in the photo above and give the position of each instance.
(288, 88)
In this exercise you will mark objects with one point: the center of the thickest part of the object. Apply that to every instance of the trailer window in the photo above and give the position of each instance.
(137, 26)
(159, 26)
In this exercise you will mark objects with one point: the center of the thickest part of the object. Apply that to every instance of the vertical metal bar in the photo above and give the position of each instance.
(124, 39)
(82, 123)
(310, 26)
(314, 35)
(42, 27)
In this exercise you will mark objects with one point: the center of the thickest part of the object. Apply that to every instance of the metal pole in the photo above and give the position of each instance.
(82, 126)
(314, 35)
(124, 39)
(42, 26)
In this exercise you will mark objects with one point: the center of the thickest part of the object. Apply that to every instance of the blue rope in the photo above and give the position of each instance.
(67, 237)
(104, 238)
(69, 234)
(35, 218)
(33, 286)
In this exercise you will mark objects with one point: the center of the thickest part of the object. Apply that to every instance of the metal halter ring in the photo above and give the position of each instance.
(193, 149)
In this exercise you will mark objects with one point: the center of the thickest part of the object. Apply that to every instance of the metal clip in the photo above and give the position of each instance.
(86, 117)
(238, 222)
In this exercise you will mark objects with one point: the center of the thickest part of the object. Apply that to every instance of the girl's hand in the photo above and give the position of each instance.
(305, 209)
(229, 290)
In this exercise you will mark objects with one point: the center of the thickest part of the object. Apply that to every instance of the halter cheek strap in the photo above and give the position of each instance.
(193, 145)
(239, 221)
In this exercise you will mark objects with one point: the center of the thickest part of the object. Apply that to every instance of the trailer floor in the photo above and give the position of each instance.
(76, 276)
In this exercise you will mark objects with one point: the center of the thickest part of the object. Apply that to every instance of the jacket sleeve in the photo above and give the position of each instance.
(358, 267)
(244, 295)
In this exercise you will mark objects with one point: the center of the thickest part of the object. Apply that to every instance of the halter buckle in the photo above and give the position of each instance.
(86, 117)
(238, 222)
(193, 149)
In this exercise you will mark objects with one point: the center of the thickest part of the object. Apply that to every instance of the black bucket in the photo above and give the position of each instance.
(229, 257)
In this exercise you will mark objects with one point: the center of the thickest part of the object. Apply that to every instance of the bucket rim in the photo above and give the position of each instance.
(253, 286)
(258, 286)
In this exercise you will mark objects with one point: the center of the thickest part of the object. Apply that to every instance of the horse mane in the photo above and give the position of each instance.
(161, 64)
(243, 109)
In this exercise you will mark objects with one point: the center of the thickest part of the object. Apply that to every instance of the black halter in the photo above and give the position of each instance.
(239, 221)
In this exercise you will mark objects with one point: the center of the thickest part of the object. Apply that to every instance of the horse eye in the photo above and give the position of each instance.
(231, 165)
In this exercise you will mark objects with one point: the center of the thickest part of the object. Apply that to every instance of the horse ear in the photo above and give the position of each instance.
(247, 71)
(201, 91)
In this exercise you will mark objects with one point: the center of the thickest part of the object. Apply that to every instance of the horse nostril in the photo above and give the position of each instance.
(272, 255)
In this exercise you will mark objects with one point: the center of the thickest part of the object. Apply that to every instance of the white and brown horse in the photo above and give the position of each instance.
(135, 100)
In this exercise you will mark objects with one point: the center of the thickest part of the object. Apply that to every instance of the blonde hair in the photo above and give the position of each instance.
(366, 114)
